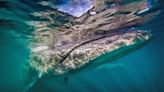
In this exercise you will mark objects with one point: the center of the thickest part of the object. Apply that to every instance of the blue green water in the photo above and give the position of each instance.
(140, 71)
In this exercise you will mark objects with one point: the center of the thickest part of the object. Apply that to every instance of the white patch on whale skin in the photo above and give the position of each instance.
(39, 48)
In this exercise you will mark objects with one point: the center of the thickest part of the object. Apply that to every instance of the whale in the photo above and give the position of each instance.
(63, 44)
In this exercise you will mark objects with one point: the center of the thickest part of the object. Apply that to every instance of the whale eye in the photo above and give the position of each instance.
(144, 33)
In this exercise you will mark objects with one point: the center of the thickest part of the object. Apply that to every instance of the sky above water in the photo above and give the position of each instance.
(75, 7)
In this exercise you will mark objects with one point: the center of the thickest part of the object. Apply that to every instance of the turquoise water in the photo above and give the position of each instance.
(141, 71)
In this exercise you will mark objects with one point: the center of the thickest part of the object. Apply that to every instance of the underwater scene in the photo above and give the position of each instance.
(81, 45)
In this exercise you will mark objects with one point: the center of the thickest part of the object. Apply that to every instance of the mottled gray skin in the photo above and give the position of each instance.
(75, 46)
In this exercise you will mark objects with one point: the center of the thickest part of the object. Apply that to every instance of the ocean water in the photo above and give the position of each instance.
(140, 71)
